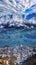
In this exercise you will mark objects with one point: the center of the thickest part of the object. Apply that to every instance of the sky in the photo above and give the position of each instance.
(17, 11)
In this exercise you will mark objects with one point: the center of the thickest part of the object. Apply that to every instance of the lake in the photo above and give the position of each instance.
(14, 37)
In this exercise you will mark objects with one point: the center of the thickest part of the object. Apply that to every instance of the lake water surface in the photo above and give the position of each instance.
(14, 37)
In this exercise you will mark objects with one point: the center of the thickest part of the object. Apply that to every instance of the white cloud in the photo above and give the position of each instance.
(17, 10)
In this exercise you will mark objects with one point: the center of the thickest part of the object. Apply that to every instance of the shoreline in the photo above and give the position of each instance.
(20, 26)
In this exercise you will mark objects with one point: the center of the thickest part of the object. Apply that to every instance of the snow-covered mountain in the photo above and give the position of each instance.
(16, 12)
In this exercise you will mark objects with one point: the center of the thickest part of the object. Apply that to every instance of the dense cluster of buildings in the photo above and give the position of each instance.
(15, 55)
